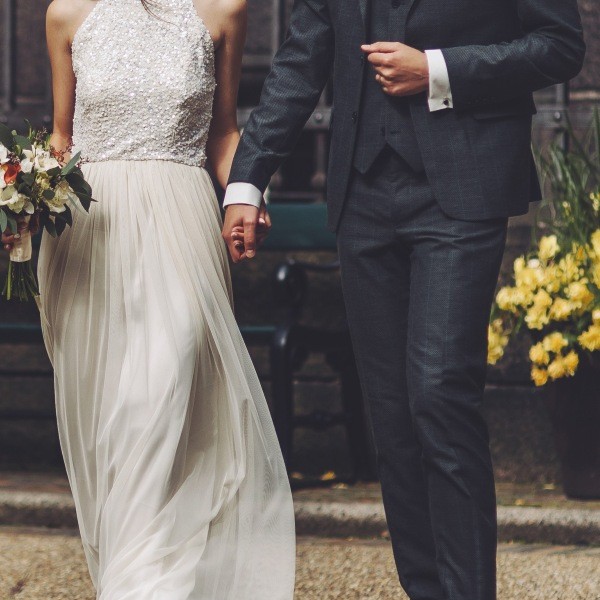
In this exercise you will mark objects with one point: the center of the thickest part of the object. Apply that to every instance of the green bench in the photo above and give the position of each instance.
(296, 227)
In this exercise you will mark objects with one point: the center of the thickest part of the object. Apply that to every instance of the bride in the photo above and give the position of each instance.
(179, 484)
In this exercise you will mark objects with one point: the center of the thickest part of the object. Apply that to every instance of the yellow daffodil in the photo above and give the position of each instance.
(590, 338)
(539, 376)
(511, 298)
(554, 342)
(569, 269)
(571, 362)
(538, 355)
(497, 341)
(548, 247)
(557, 368)
(561, 309)
(595, 240)
(579, 293)
(595, 271)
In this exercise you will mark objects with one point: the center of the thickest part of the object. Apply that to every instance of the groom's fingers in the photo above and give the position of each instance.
(236, 217)
(250, 236)
(382, 47)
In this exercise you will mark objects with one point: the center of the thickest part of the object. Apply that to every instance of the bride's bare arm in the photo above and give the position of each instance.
(224, 134)
(61, 16)
(62, 21)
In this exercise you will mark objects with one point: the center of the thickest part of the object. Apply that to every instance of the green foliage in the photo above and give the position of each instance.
(573, 176)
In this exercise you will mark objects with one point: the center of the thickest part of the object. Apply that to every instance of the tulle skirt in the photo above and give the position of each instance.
(179, 484)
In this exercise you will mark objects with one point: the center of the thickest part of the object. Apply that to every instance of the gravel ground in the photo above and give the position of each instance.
(41, 565)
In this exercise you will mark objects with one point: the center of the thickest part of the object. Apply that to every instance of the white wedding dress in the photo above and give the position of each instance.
(179, 484)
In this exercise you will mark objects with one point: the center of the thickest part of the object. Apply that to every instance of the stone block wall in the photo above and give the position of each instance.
(521, 435)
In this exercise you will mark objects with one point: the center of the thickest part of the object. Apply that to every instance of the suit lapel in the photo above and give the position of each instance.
(364, 10)
(365, 4)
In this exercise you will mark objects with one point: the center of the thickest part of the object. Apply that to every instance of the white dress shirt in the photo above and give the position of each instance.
(439, 98)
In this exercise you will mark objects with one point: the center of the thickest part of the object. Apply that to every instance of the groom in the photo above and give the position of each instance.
(430, 155)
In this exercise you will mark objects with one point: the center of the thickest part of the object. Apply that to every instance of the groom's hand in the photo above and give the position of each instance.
(244, 229)
(399, 69)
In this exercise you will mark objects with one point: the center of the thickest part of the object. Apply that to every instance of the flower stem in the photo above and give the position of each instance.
(20, 282)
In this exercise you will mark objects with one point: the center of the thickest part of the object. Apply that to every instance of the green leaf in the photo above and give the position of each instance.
(79, 184)
(24, 189)
(23, 142)
(60, 225)
(48, 194)
(50, 227)
(28, 178)
(3, 221)
(71, 164)
(6, 137)
(54, 172)
(85, 200)
(67, 216)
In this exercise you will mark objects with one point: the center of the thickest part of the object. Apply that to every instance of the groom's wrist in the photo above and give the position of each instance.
(242, 193)
(440, 94)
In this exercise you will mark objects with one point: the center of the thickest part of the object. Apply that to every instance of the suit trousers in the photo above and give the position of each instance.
(418, 287)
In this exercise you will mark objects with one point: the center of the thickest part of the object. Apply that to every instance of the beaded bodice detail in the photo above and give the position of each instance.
(145, 82)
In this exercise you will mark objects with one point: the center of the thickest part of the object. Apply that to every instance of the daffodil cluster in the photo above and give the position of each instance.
(556, 295)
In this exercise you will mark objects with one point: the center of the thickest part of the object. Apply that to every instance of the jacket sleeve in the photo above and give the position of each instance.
(550, 51)
(291, 92)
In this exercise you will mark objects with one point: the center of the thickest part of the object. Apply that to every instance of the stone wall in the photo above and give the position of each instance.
(521, 435)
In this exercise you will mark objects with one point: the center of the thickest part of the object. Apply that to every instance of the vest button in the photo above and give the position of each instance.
(354, 117)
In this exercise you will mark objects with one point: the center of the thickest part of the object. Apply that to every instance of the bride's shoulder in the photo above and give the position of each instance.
(67, 14)
(228, 8)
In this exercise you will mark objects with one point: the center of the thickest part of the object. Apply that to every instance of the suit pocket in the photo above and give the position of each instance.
(501, 111)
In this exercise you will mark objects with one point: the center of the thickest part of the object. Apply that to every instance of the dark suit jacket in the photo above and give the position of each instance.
(477, 155)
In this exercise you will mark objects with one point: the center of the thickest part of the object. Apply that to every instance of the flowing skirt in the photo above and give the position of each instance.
(179, 484)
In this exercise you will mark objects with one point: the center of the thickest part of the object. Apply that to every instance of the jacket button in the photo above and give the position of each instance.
(354, 117)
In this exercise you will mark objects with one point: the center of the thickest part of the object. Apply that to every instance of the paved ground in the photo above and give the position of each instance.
(509, 494)
(43, 565)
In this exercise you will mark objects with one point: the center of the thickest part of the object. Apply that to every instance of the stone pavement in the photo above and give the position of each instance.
(43, 564)
(527, 513)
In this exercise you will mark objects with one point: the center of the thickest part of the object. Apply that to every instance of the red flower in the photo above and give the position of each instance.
(10, 172)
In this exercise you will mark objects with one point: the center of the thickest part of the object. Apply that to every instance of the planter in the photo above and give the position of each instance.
(575, 412)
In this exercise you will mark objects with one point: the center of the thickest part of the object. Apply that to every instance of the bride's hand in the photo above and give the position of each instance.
(9, 239)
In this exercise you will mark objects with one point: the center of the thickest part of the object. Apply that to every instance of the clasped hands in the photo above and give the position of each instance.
(400, 70)
(245, 227)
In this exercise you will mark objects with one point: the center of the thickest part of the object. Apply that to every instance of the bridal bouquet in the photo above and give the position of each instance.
(555, 292)
(33, 184)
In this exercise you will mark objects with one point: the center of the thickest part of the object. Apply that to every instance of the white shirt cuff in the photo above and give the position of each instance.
(440, 94)
(242, 193)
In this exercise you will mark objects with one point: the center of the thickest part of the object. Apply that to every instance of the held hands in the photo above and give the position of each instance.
(400, 69)
(244, 229)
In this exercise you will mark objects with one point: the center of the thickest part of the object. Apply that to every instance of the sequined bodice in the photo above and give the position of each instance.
(145, 82)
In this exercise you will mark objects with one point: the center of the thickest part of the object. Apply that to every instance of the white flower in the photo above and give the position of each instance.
(27, 162)
(3, 154)
(15, 201)
(62, 194)
(43, 161)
